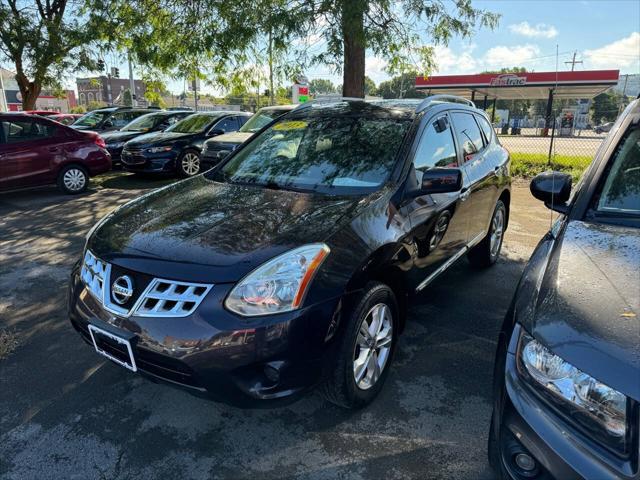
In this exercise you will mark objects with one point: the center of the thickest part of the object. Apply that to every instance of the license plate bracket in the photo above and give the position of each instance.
(113, 347)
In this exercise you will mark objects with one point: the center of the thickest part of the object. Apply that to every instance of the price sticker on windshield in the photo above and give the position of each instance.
(291, 125)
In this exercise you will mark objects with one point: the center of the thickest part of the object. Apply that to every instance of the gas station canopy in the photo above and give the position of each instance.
(521, 86)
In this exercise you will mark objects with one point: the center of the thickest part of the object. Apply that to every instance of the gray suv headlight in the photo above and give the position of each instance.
(594, 405)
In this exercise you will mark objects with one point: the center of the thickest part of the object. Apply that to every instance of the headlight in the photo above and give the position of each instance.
(278, 285)
(115, 145)
(166, 148)
(594, 405)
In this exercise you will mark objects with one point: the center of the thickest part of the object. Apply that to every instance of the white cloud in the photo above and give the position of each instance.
(450, 62)
(541, 30)
(375, 69)
(619, 54)
(509, 56)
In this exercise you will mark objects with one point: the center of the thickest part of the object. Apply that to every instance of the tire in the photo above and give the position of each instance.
(189, 163)
(340, 385)
(73, 179)
(486, 253)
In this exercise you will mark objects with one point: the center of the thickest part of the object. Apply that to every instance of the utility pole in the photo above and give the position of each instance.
(271, 93)
(132, 83)
(573, 61)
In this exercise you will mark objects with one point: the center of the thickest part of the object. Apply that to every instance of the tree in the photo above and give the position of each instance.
(606, 106)
(127, 99)
(390, 30)
(44, 39)
(321, 86)
(401, 86)
(370, 87)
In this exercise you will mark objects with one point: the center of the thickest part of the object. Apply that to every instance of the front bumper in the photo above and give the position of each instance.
(143, 162)
(216, 353)
(562, 452)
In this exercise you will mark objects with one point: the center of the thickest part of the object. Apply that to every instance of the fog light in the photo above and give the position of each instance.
(525, 462)
(272, 372)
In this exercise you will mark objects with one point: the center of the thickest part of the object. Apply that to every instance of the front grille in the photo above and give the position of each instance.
(166, 298)
(93, 275)
(133, 156)
(152, 297)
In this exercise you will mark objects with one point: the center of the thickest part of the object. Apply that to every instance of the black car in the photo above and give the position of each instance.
(215, 149)
(109, 119)
(177, 149)
(151, 122)
(567, 377)
(292, 262)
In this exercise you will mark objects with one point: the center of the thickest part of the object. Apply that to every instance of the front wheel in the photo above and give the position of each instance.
(73, 179)
(486, 253)
(189, 163)
(365, 351)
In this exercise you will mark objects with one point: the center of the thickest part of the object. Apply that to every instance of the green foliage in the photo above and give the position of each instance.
(528, 165)
(321, 86)
(370, 87)
(401, 86)
(95, 105)
(78, 109)
(127, 99)
(45, 40)
(606, 106)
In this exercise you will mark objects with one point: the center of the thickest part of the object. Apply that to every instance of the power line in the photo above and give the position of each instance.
(573, 61)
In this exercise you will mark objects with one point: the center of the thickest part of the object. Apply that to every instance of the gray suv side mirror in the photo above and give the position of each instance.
(553, 188)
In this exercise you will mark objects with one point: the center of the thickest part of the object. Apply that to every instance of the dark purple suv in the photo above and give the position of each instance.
(36, 151)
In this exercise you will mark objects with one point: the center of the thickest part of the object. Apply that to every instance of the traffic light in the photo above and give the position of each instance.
(101, 65)
(116, 72)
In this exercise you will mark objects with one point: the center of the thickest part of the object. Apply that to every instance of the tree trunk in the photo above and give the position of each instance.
(30, 91)
(354, 48)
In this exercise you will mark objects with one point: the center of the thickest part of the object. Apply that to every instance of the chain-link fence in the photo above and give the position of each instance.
(565, 138)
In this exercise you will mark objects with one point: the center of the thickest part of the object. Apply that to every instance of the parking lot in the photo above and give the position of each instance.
(67, 413)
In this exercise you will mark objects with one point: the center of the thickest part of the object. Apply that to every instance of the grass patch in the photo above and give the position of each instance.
(528, 165)
(8, 343)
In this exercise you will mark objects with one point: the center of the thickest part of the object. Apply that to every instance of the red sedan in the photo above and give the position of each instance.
(37, 151)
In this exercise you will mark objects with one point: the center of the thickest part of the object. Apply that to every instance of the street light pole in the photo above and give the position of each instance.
(132, 84)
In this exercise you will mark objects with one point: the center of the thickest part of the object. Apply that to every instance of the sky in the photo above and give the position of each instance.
(604, 33)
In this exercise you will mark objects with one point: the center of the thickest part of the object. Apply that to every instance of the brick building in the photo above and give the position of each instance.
(107, 89)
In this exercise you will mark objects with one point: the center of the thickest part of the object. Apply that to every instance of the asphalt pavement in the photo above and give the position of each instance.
(66, 413)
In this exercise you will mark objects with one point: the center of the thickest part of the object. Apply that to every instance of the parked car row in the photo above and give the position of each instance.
(157, 141)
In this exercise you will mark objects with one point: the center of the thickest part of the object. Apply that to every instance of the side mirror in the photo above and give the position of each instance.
(107, 124)
(553, 188)
(441, 180)
(215, 132)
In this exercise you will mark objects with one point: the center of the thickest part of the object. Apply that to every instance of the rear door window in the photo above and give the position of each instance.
(26, 130)
(229, 124)
(468, 134)
(486, 127)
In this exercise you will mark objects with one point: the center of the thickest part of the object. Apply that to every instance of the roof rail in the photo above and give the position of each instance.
(434, 99)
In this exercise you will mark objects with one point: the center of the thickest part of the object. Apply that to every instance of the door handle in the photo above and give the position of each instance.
(464, 194)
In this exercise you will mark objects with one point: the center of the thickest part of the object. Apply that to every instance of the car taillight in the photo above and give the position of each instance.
(99, 141)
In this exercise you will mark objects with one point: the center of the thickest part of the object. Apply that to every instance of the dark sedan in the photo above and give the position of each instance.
(215, 149)
(109, 118)
(178, 148)
(151, 122)
(567, 377)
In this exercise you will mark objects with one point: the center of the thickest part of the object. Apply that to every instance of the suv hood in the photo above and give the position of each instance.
(200, 230)
(589, 301)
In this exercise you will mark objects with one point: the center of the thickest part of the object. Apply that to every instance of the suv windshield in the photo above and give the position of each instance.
(143, 123)
(195, 123)
(260, 119)
(328, 154)
(92, 119)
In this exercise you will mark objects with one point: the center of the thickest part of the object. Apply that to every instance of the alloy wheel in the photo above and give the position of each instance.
(191, 164)
(74, 179)
(497, 230)
(373, 346)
